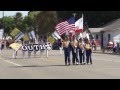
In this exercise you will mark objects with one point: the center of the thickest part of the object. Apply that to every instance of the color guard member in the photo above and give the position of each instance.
(66, 46)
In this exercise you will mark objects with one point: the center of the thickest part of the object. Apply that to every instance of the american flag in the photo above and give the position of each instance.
(65, 26)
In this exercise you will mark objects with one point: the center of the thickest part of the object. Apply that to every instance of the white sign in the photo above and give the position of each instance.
(37, 47)
(1, 33)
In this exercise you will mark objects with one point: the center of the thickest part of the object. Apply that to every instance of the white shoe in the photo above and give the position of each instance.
(77, 63)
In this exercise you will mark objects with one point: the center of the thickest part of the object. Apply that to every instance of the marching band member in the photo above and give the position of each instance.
(74, 51)
(30, 49)
(81, 51)
(24, 49)
(41, 42)
(66, 46)
(60, 46)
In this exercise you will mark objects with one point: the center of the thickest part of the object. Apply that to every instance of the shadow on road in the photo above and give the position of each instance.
(37, 66)
(107, 53)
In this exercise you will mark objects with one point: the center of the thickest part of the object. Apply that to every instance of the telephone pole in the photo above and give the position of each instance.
(3, 20)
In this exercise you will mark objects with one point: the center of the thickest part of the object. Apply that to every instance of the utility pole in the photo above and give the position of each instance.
(75, 34)
(3, 22)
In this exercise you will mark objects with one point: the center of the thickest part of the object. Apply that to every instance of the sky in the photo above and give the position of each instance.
(12, 13)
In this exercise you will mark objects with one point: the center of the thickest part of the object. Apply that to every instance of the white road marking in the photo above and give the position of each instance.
(9, 61)
(12, 63)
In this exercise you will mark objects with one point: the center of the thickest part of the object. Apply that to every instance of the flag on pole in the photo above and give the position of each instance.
(57, 35)
(79, 25)
(19, 36)
(26, 37)
(15, 32)
(32, 35)
(80, 36)
(53, 35)
(15, 46)
(65, 26)
(84, 34)
(51, 40)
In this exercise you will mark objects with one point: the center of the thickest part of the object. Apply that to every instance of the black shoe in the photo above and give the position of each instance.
(73, 63)
(69, 64)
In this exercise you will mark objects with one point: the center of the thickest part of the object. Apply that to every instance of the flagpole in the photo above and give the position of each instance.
(74, 14)
(3, 20)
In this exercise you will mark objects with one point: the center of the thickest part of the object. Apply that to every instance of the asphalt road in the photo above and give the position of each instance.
(105, 66)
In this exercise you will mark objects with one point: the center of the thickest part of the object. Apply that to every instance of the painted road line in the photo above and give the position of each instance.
(13, 63)
(9, 61)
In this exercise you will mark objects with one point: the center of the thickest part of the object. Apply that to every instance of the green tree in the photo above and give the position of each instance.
(19, 20)
(29, 21)
(8, 24)
(46, 21)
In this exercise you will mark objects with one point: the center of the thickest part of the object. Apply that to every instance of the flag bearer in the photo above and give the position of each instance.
(66, 46)
(74, 51)
(81, 49)
(88, 49)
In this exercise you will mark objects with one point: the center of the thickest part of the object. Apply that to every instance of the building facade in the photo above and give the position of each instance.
(109, 32)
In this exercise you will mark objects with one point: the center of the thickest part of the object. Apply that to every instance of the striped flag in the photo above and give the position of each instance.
(65, 26)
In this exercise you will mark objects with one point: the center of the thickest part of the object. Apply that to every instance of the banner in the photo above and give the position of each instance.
(37, 47)
(15, 46)
(15, 32)
(1, 33)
